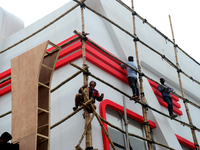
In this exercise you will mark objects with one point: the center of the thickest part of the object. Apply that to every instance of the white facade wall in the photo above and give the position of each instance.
(121, 45)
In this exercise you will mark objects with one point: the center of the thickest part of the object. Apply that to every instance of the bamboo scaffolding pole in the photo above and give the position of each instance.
(85, 80)
(65, 81)
(70, 115)
(134, 135)
(5, 114)
(99, 120)
(144, 110)
(86, 129)
(68, 11)
(182, 92)
(148, 106)
(136, 38)
(174, 93)
(164, 36)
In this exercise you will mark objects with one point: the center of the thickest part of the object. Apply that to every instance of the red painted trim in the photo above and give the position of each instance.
(68, 59)
(97, 49)
(5, 90)
(106, 68)
(5, 74)
(114, 106)
(59, 44)
(70, 49)
(185, 142)
(104, 59)
(5, 83)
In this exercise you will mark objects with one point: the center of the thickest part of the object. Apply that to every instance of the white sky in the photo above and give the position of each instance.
(184, 15)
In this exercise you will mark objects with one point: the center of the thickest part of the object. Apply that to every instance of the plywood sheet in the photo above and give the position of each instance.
(25, 73)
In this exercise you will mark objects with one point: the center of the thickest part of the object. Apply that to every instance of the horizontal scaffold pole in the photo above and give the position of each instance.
(144, 104)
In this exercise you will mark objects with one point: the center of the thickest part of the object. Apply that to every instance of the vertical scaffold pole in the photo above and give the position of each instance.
(181, 87)
(144, 110)
(85, 80)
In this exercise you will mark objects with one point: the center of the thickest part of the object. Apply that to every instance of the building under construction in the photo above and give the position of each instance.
(44, 65)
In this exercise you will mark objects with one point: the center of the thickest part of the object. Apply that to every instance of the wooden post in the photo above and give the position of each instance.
(181, 87)
(85, 80)
(144, 110)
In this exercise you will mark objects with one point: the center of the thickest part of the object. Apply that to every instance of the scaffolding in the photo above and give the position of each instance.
(84, 69)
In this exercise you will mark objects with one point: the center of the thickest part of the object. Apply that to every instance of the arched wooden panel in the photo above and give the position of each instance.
(31, 74)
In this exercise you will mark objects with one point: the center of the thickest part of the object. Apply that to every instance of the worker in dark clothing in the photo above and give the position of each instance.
(167, 96)
(5, 145)
(93, 93)
(132, 76)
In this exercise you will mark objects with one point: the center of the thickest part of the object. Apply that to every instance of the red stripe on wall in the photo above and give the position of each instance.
(5, 83)
(104, 59)
(106, 68)
(5, 90)
(5, 74)
(185, 142)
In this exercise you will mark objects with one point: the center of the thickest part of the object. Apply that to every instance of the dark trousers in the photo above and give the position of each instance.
(168, 100)
(133, 84)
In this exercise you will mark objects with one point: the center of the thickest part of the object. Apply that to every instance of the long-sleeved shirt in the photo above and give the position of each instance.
(130, 72)
(164, 91)
(93, 93)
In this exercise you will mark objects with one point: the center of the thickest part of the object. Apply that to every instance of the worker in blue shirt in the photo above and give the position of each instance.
(167, 96)
(132, 76)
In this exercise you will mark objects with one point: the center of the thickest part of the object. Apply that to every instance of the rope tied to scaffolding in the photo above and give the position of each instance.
(191, 78)
(193, 127)
(84, 36)
(136, 39)
(185, 100)
(179, 70)
(146, 123)
(134, 13)
(144, 21)
(142, 94)
(82, 5)
(141, 74)
(146, 105)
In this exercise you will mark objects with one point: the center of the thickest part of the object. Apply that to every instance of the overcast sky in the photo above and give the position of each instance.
(184, 15)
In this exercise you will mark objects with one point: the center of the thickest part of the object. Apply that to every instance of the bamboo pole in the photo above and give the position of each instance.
(85, 80)
(132, 134)
(182, 92)
(86, 129)
(7, 113)
(144, 110)
(70, 115)
(148, 106)
(65, 81)
(68, 11)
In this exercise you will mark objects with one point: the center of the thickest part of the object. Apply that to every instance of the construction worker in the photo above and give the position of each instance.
(167, 96)
(132, 76)
(93, 93)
